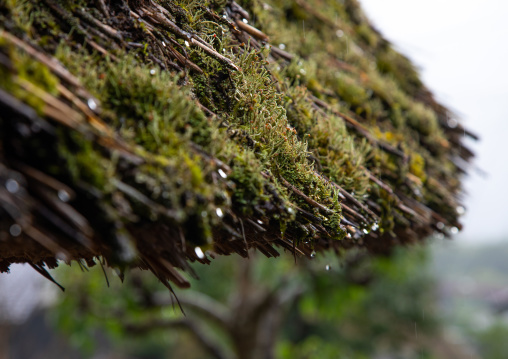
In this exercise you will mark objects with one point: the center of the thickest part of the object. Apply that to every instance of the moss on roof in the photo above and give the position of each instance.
(151, 133)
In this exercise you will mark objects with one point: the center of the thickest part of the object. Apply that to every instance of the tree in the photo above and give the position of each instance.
(356, 307)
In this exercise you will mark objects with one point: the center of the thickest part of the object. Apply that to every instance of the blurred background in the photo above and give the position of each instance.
(445, 300)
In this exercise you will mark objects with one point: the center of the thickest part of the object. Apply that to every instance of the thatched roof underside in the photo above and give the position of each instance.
(151, 133)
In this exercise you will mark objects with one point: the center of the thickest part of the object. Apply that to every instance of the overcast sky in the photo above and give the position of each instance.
(461, 47)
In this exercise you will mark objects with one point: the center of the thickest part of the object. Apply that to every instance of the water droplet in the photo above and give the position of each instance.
(61, 256)
(327, 267)
(15, 230)
(375, 226)
(219, 213)
(303, 72)
(91, 104)
(222, 173)
(152, 72)
(224, 16)
(36, 127)
(245, 21)
(199, 252)
(64, 195)
(290, 210)
(204, 214)
(339, 33)
(313, 254)
(282, 46)
(440, 225)
(23, 129)
(12, 186)
(461, 210)
(439, 235)
(163, 44)
(452, 123)
(187, 43)
(260, 221)
(454, 230)
(349, 235)
(366, 231)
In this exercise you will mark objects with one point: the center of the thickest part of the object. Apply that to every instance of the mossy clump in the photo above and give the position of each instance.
(158, 132)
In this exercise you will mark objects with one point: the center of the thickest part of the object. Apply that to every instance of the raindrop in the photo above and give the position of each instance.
(64, 195)
(440, 225)
(452, 123)
(224, 16)
(61, 256)
(303, 72)
(245, 21)
(260, 221)
(375, 226)
(219, 212)
(282, 46)
(91, 104)
(439, 236)
(204, 214)
(199, 252)
(339, 33)
(12, 186)
(15, 230)
(290, 210)
(222, 173)
(454, 230)
(186, 43)
(366, 231)
(327, 267)
(461, 210)
(349, 235)
(36, 127)
(163, 44)
(152, 72)
(23, 129)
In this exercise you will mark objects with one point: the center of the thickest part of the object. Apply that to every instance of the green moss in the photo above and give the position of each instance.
(267, 130)
(84, 163)
(417, 166)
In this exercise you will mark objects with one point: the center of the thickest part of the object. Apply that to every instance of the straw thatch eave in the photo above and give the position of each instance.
(150, 134)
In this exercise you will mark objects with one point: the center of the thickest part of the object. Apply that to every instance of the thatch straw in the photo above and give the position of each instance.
(151, 134)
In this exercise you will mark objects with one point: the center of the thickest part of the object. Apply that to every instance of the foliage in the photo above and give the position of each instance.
(334, 312)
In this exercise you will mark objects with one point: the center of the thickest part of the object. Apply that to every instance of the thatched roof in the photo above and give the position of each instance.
(151, 133)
